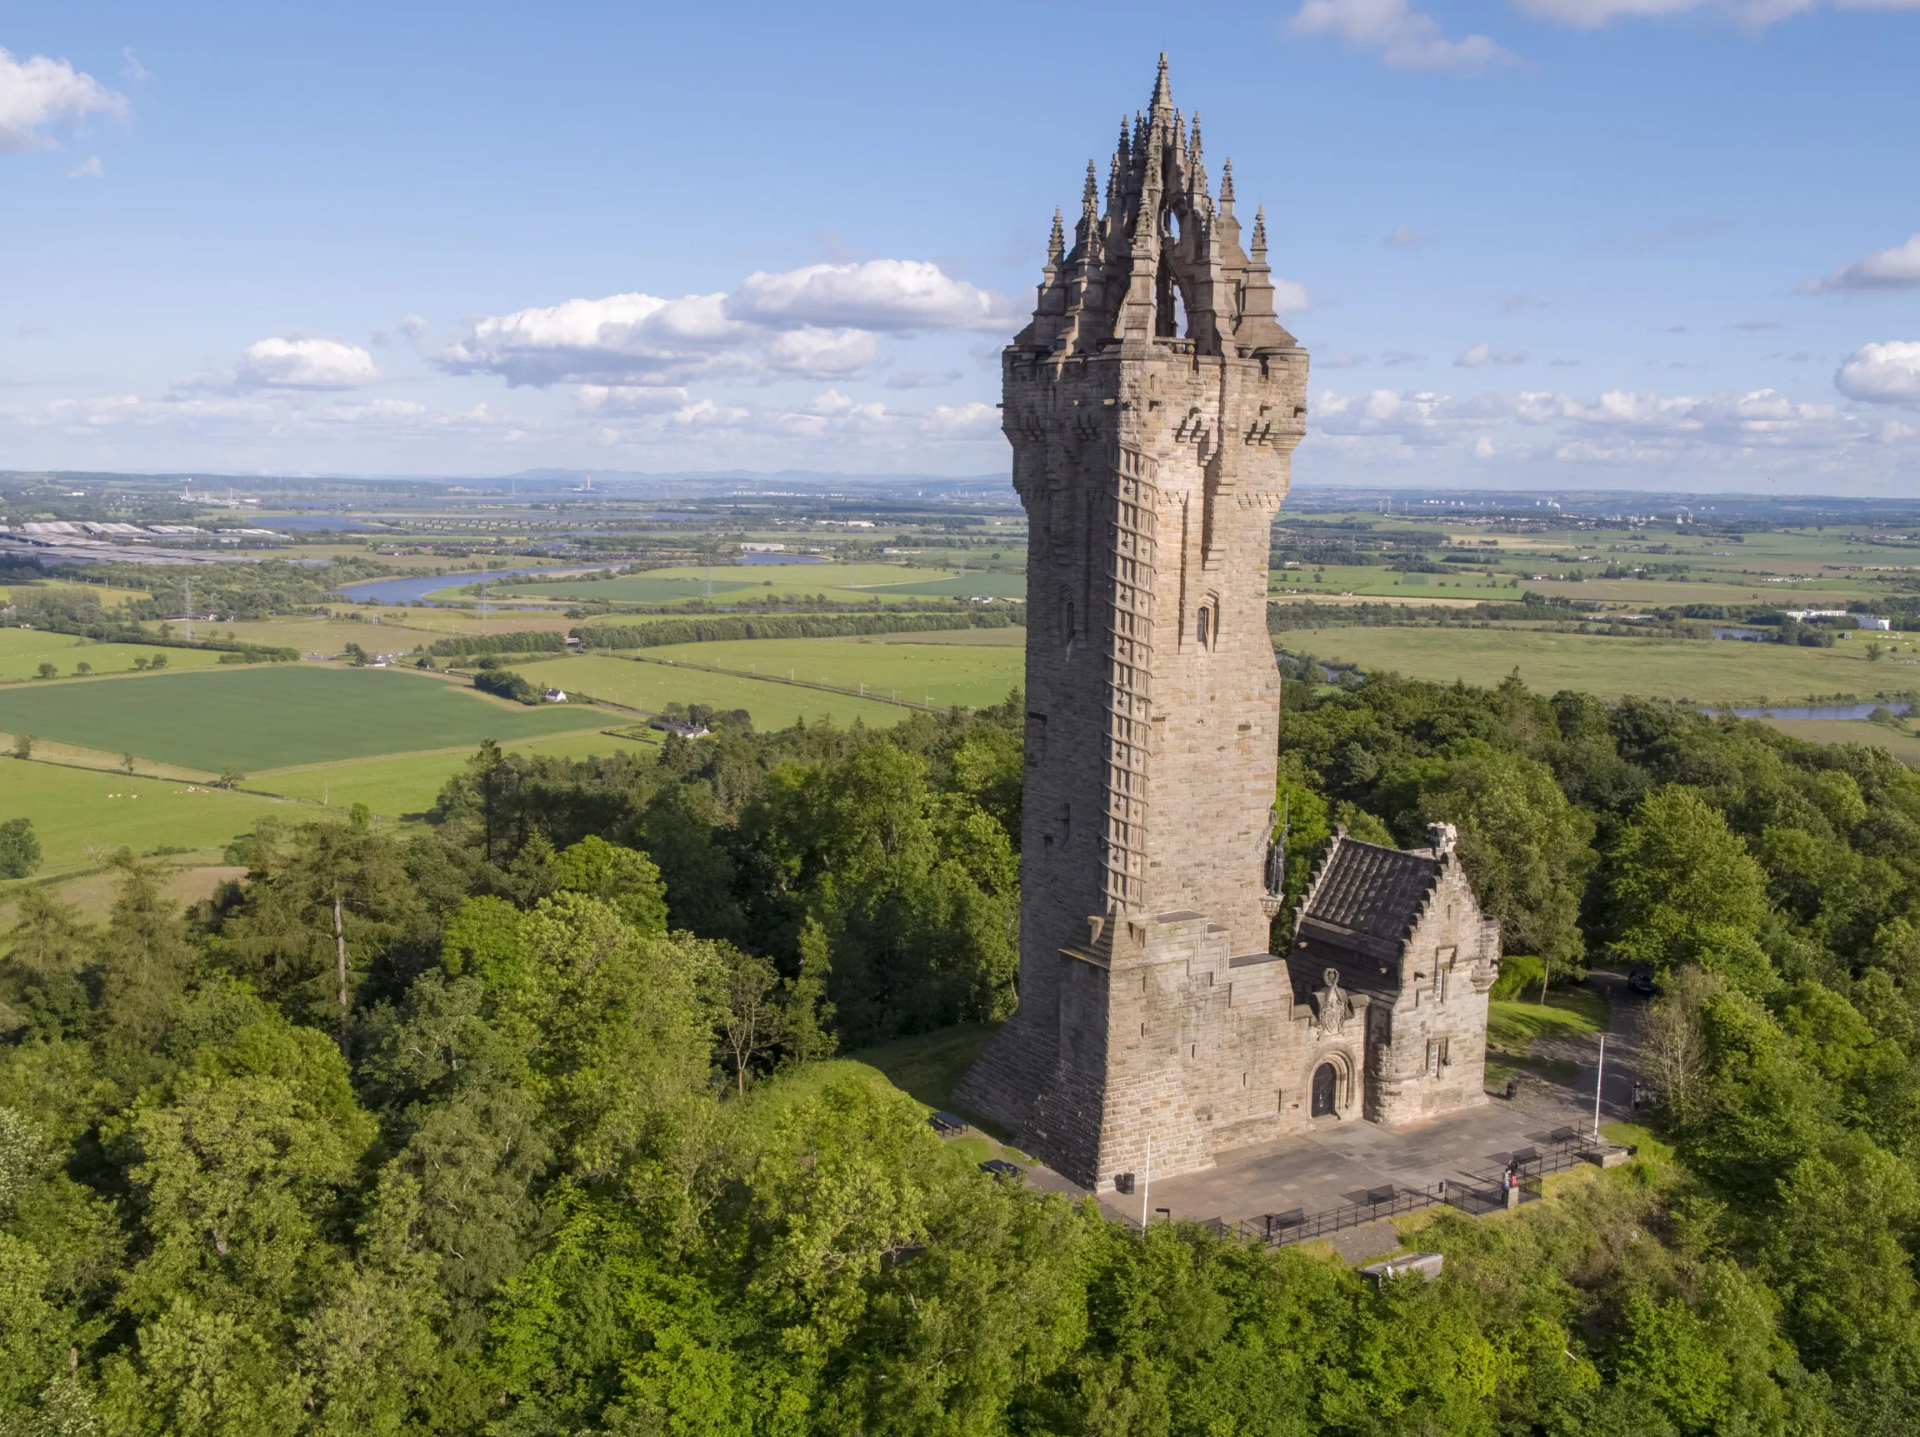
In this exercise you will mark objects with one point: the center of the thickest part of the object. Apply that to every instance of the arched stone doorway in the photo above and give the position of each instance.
(1326, 1088)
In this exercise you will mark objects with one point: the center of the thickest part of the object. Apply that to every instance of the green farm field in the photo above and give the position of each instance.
(734, 582)
(1697, 669)
(970, 675)
(79, 815)
(268, 717)
(1374, 579)
(405, 785)
(653, 686)
(1903, 746)
(387, 630)
(108, 596)
(22, 651)
(980, 584)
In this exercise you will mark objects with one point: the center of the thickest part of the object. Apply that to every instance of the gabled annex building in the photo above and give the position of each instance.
(1153, 405)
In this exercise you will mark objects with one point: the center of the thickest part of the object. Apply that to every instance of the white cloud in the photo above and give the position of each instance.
(1894, 268)
(1657, 430)
(305, 364)
(1290, 296)
(629, 399)
(822, 353)
(133, 69)
(922, 378)
(1404, 237)
(91, 170)
(962, 421)
(40, 93)
(1344, 361)
(1483, 354)
(820, 322)
(1592, 14)
(1405, 38)
(889, 295)
(1882, 373)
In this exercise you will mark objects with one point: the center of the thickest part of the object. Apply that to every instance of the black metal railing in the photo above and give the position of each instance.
(1476, 1194)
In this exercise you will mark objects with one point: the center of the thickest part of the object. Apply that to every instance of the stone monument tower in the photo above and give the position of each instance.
(1153, 405)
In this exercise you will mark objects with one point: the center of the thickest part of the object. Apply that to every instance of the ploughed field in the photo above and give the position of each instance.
(269, 716)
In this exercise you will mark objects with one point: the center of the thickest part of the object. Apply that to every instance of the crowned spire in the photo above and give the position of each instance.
(1226, 185)
(1056, 242)
(1090, 195)
(1193, 145)
(1260, 233)
(1162, 91)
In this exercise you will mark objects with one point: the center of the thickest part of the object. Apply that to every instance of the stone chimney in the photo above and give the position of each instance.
(1442, 838)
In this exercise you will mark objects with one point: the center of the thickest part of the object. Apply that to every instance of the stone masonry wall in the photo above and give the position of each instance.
(1150, 756)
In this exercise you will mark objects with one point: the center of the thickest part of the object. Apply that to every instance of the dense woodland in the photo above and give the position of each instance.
(532, 1123)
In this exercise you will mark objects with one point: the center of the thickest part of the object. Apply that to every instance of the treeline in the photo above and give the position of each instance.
(1304, 613)
(529, 1122)
(529, 641)
(257, 590)
(74, 611)
(785, 626)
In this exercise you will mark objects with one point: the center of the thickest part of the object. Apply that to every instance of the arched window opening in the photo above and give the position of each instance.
(1066, 619)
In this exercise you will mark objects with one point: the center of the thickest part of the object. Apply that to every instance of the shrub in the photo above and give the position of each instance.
(1519, 972)
(506, 684)
(19, 849)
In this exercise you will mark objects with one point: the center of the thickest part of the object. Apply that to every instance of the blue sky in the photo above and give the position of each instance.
(1553, 243)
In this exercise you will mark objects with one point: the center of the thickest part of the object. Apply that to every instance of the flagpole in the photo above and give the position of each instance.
(1599, 1081)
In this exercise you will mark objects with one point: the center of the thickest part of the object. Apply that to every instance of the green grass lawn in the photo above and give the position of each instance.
(260, 717)
(929, 1065)
(76, 810)
(972, 675)
(654, 686)
(1699, 670)
(22, 651)
(405, 786)
(1513, 1026)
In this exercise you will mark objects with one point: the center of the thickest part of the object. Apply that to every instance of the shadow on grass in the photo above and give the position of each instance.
(930, 1065)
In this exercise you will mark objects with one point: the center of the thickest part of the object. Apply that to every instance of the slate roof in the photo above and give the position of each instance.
(1371, 890)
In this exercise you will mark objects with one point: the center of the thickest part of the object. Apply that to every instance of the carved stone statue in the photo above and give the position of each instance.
(1333, 1004)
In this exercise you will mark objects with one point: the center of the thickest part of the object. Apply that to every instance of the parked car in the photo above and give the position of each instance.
(1641, 981)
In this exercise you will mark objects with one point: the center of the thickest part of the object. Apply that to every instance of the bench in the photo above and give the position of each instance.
(1284, 1221)
(1376, 1196)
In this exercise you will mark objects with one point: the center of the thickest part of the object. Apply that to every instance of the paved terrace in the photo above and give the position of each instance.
(1342, 1159)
